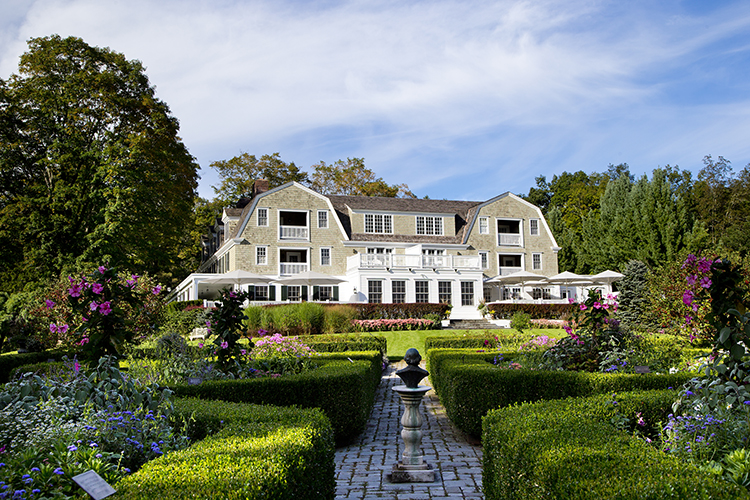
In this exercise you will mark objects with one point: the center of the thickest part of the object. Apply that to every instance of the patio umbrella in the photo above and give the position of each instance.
(567, 278)
(607, 278)
(309, 278)
(520, 277)
(238, 277)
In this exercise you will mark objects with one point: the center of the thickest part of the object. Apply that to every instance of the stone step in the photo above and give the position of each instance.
(472, 324)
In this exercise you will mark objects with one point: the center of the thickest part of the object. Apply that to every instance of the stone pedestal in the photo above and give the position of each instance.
(412, 468)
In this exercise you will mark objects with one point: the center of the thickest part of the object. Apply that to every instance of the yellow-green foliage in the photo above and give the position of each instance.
(570, 449)
(260, 452)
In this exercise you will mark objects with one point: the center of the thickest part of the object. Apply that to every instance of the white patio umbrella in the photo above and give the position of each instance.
(519, 277)
(567, 278)
(309, 278)
(607, 278)
(238, 277)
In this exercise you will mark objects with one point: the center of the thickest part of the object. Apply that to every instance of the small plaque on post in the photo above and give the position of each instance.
(93, 484)
(642, 369)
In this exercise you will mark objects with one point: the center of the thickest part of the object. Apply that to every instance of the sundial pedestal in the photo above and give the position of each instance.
(412, 468)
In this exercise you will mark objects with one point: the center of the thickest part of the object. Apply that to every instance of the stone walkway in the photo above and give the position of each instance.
(361, 467)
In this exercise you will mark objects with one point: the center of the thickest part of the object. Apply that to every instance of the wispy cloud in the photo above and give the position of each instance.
(438, 94)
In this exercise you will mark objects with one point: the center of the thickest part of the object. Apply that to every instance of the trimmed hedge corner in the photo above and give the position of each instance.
(469, 385)
(343, 386)
(9, 362)
(569, 449)
(257, 452)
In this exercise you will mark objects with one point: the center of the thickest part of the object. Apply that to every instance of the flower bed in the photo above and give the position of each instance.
(379, 325)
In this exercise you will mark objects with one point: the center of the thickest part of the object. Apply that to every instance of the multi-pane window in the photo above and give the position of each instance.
(541, 293)
(484, 259)
(323, 219)
(325, 256)
(536, 261)
(261, 292)
(422, 289)
(467, 293)
(444, 292)
(534, 227)
(375, 291)
(325, 293)
(484, 225)
(511, 293)
(261, 256)
(262, 216)
(378, 223)
(294, 293)
(398, 291)
(429, 225)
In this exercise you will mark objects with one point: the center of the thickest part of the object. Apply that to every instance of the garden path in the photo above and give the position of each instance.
(361, 467)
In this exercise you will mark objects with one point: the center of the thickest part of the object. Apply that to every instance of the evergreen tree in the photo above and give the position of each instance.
(633, 297)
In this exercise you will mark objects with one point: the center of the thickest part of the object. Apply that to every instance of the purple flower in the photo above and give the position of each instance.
(94, 305)
(704, 266)
(49, 304)
(706, 282)
(200, 345)
(62, 328)
(105, 308)
(102, 269)
(156, 290)
(75, 290)
(687, 297)
(582, 307)
(97, 288)
(59, 471)
(691, 279)
(72, 447)
(53, 328)
(224, 344)
(689, 261)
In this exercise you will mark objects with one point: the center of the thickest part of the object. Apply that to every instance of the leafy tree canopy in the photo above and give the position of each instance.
(351, 177)
(91, 167)
(239, 173)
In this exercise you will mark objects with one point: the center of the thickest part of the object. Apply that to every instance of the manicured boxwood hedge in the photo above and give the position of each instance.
(570, 449)
(9, 362)
(536, 311)
(367, 310)
(343, 343)
(245, 452)
(343, 387)
(469, 385)
(487, 339)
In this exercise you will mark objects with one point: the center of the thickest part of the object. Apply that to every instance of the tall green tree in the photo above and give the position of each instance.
(91, 167)
(351, 177)
(240, 172)
(736, 237)
(712, 194)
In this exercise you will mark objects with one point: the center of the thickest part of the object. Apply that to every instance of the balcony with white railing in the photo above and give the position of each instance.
(509, 240)
(506, 270)
(401, 261)
(300, 233)
(291, 268)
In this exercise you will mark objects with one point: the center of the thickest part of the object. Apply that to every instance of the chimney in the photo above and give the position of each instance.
(259, 186)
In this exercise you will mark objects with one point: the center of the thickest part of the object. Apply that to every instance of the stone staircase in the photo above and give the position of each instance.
(471, 324)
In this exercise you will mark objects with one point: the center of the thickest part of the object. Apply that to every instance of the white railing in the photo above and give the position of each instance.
(509, 240)
(506, 270)
(381, 260)
(294, 232)
(290, 268)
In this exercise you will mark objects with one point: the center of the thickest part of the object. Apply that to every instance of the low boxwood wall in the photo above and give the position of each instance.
(343, 343)
(9, 362)
(488, 339)
(245, 452)
(536, 311)
(469, 385)
(343, 386)
(570, 449)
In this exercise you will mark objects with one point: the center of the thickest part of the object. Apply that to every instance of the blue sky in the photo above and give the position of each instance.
(459, 99)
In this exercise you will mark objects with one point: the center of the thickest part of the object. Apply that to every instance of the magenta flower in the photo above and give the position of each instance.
(76, 366)
(704, 266)
(597, 305)
(97, 288)
(200, 345)
(687, 297)
(84, 340)
(571, 300)
(224, 344)
(49, 304)
(568, 330)
(156, 290)
(102, 269)
(94, 305)
(243, 351)
(706, 282)
(582, 307)
(105, 307)
(691, 279)
(75, 290)
(62, 328)
(689, 261)
(53, 328)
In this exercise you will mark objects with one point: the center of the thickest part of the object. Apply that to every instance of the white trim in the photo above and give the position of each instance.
(268, 218)
(257, 247)
(330, 256)
(318, 218)
(541, 262)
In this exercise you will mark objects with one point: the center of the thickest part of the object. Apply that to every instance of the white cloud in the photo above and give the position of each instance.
(501, 90)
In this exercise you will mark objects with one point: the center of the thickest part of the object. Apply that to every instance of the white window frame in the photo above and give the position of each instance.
(484, 259)
(378, 224)
(260, 219)
(534, 266)
(261, 260)
(429, 225)
(324, 250)
(322, 219)
(484, 225)
(401, 293)
(534, 227)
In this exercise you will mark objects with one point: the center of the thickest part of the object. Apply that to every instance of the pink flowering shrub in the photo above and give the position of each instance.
(100, 313)
(281, 355)
(379, 325)
(537, 343)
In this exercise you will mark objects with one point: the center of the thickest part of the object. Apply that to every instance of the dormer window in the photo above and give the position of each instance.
(429, 225)
(378, 223)
(263, 217)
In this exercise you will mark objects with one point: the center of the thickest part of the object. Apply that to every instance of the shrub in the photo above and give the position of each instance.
(338, 318)
(247, 451)
(311, 317)
(521, 321)
(367, 311)
(379, 325)
(535, 311)
(571, 449)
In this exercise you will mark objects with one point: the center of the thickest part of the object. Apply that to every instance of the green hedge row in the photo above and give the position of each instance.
(343, 343)
(536, 311)
(570, 449)
(343, 386)
(9, 362)
(469, 385)
(488, 339)
(245, 452)
(366, 310)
